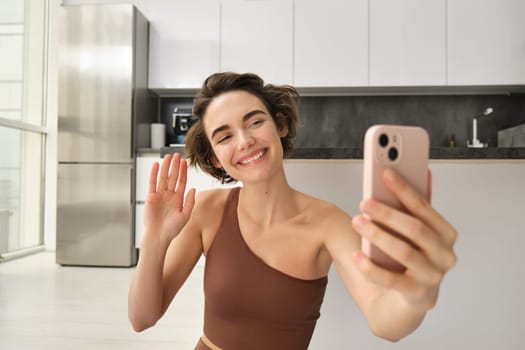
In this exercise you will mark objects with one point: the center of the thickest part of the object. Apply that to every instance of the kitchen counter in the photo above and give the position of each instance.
(141, 152)
(459, 153)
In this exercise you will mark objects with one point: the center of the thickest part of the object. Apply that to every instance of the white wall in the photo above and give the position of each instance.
(481, 301)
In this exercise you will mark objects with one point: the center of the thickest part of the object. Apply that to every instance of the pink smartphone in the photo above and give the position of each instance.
(405, 149)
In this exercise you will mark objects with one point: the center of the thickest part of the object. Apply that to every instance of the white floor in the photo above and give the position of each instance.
(48, 306)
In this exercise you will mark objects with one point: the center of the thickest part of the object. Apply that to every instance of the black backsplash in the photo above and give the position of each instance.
(341, 121)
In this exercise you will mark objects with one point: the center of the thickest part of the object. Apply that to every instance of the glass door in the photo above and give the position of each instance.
(22, 124)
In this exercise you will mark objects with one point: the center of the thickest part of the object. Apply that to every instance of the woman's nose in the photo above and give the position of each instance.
(245, 140)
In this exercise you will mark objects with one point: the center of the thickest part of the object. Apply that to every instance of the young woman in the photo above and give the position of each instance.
(269, 247)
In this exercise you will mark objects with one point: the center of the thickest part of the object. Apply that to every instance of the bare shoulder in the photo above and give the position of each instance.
(332, 224)
(325, 213)
(207, 213)
(332, 229)
(209, 201)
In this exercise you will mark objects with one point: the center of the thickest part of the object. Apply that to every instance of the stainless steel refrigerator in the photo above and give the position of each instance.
(103, 101)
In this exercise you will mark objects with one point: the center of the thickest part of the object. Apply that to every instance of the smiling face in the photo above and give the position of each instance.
(244, 136)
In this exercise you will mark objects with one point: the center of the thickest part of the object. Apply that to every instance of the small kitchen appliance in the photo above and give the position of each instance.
(179, 122)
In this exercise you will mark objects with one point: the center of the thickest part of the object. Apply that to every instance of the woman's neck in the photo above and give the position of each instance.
(268, 202)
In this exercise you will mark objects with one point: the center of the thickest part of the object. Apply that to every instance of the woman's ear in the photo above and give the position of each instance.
(215, 162)
(280, 122)
(283, 131)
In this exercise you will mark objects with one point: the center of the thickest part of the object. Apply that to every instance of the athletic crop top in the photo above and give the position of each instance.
(250, 305)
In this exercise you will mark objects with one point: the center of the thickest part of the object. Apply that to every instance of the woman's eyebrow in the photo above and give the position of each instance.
(244, 119)
(252, 113)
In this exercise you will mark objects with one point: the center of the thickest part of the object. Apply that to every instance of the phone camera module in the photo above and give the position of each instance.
(392, 153)
(383, 140)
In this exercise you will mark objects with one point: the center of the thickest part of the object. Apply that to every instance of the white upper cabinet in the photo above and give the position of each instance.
(257, 36)
(184, 42)
(407, 42)
(339, 43)
(331, 43)
(486, 42)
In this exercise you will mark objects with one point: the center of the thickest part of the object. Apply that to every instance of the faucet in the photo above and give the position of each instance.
(475, 143)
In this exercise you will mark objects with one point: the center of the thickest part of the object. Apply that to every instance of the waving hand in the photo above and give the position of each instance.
(166, 211)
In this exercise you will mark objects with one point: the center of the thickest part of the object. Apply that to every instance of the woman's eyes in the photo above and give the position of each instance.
(223, 138)
(256, 122)
(252, 124)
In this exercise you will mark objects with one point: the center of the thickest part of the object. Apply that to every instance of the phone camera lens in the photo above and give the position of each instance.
(392, 154)
(383, 140)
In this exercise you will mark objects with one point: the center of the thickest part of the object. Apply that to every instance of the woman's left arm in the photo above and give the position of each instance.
(396, 303)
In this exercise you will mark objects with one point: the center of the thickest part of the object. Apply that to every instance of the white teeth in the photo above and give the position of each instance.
(254, 158)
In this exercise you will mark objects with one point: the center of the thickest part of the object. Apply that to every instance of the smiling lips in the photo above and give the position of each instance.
(253, 158)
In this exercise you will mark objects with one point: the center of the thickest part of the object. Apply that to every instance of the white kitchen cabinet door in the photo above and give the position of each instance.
(331, 43)
(407, 42)
(142, 179)
(139, 224)
(199, 180)
(257, 37)
(196, 178)
(184, 42)
(486, 42)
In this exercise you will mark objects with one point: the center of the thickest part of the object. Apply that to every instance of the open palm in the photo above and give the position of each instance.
(166, 211)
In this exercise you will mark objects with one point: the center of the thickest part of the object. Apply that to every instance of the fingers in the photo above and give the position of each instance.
(428, 241)
(429, 186)
(419, 206)
(172, 176)
(414, 260)
(153, 173)
(182, 171)
(416, 236)
(425, 263)
(378, 275)
(189, 203)
(174, 172)
(422, 295)
(162, 182)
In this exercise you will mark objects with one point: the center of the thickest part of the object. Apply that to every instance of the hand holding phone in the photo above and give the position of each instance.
(404, 149)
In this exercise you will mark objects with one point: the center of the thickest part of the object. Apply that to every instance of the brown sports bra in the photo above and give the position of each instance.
(250, 305)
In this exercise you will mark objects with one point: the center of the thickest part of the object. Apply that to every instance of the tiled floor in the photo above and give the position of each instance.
(48, 306)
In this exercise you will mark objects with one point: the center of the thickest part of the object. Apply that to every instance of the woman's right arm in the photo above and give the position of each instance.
(170, 246)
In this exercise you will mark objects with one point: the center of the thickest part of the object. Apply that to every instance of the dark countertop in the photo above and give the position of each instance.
(435, 153)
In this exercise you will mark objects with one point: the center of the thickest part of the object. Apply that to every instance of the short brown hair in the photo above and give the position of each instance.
(279, 100)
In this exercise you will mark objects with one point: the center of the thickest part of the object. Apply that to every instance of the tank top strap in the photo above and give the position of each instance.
(229, 217)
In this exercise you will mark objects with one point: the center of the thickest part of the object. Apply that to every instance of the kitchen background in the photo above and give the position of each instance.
(435, 63)
(443, 116)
